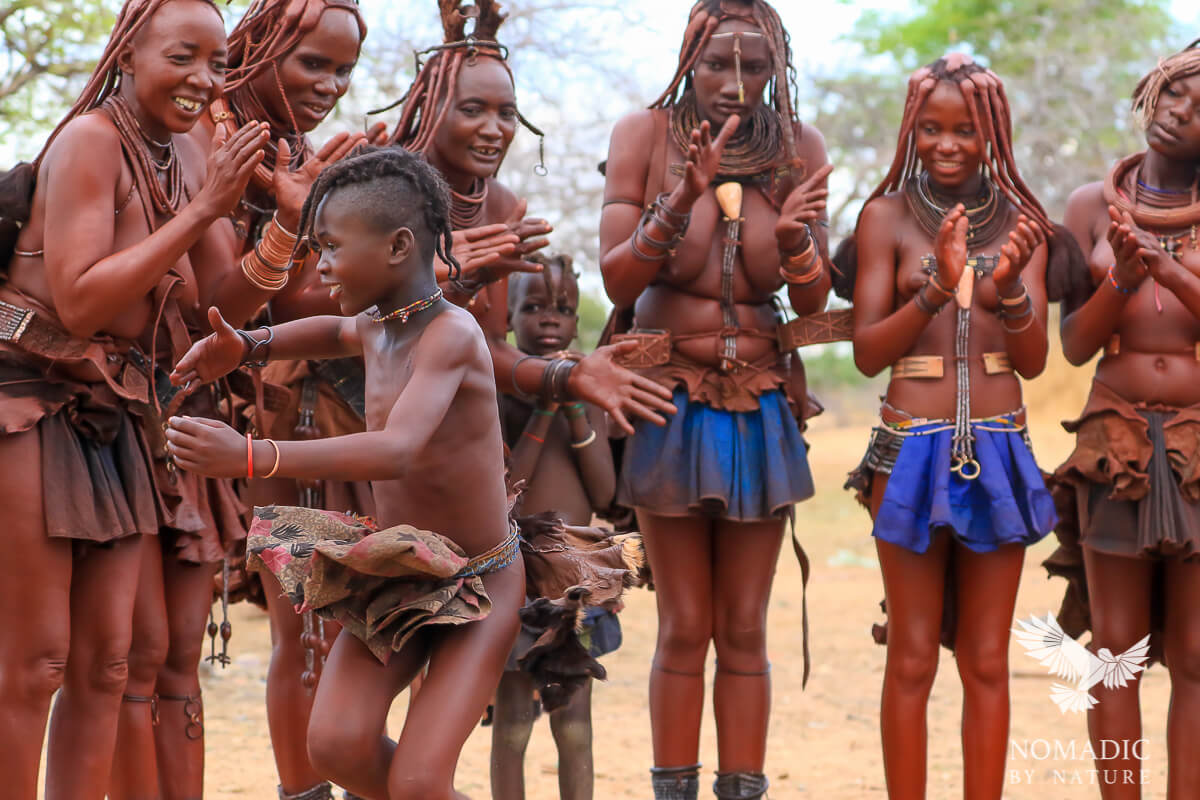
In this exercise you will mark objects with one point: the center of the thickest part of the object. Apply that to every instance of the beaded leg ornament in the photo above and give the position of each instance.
(225, 629)
(313, 641)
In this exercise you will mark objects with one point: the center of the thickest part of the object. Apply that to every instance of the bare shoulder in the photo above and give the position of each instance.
(92, 135)
(810, 146)
(635, 127)
(1087, 201)
(454, 335)
(504, 198)
(887, 209)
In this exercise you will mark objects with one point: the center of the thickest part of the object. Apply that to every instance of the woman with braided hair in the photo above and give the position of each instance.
(289, 63)
(461, 114)
(709, 199)
(948, 273)
(1131, 547)
(123, 208)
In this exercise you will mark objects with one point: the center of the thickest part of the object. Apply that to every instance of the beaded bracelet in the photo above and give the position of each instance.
(575, 410)
(1112, 278)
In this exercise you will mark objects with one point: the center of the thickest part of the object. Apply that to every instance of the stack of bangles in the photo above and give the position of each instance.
(554, 379)
(1016, 308)
(250, 457)
(804, 266)
(645, 247)
(268, 264)
(932, 307)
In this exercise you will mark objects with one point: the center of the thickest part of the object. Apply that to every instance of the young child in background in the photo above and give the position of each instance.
(562, 453)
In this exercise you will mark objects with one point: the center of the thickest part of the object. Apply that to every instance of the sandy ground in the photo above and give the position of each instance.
(824, 741)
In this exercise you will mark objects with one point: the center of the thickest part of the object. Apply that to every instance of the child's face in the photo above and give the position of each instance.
(545, 322)
(355, 256)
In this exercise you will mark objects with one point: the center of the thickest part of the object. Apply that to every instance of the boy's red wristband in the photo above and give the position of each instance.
(249, 456)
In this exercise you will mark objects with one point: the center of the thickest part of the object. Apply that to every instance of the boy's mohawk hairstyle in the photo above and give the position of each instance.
(367, 164)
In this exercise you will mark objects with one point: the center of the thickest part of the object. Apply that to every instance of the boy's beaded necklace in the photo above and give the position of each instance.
(407, 311)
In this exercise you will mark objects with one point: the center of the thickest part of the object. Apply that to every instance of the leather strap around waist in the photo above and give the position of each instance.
(654, 345)
(1114, 346)
(934, 366)
(40, 336)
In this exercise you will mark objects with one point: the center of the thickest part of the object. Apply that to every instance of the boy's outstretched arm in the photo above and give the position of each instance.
(223, 350)
(440, 363)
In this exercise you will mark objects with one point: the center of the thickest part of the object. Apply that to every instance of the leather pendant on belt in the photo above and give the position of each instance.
(729, 197)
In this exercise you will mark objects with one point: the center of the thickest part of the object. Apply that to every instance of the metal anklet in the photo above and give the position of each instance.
(740, 785)
(322, 791)
(675, 783)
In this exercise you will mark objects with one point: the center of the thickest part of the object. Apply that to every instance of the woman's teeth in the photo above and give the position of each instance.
(191, 106)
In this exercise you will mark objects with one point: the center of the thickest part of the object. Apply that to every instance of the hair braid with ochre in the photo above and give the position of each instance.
(425, 187)
(705, 17)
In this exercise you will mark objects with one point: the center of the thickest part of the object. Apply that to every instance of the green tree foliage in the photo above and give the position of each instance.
(1068, 66)
(50, 47)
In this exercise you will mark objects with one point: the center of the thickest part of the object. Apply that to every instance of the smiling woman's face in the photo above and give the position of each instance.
(948, 144)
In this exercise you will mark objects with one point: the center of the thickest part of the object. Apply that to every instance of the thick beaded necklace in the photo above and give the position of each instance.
(407, 311)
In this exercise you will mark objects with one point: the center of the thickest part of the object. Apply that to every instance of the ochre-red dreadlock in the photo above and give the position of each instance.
(703, 20)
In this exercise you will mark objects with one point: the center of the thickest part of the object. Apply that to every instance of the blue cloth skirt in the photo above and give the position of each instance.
(1007, 503)
(740, 465)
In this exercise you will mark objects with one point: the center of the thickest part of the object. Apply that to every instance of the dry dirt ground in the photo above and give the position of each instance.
(824, 741)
